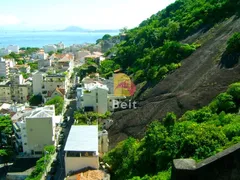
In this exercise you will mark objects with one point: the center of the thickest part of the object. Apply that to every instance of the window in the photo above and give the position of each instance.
(96, 100)
(25, 143)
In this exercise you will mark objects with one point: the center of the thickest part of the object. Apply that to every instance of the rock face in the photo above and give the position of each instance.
(222, 166)
(201, 78)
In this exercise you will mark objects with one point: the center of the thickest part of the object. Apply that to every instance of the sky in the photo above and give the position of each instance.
(88, 14)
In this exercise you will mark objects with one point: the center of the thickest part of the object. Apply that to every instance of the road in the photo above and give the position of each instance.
(60, 174)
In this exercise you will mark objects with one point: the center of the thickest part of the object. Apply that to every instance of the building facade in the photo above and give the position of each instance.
(35, 130)
(93, 97)
(81, 149)
(15, 90)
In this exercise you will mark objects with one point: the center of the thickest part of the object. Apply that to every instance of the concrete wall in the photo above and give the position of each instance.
(223, 166)
(39, 133)
(5, 94)
(77, 163)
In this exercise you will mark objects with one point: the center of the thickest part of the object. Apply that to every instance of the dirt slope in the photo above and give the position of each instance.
(192, 86)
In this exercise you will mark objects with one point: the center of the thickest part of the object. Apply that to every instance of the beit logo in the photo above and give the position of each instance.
(123, 86)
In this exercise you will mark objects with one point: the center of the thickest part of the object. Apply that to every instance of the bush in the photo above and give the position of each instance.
(58, 102)
(233, 44)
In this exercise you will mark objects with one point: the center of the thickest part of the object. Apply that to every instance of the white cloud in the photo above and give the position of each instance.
(9, 20)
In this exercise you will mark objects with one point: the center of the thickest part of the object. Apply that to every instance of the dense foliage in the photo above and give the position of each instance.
(108, 67)
(33, 66)
(234, 43)
(42, 163)
(90, 118)
(6, 131)
(58, 102)
(148, 50)
(36, 100)
(198, 134)
(89, 67)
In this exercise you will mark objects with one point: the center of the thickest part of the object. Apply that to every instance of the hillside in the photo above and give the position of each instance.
(201, 77)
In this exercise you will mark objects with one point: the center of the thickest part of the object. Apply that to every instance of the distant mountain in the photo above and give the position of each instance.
(79, 29)
(74, 29)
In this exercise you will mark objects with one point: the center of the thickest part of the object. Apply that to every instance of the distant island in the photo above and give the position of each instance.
(79, 29)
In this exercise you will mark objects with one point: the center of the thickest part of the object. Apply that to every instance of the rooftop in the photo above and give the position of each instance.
(95, 85)
(42, 112)
(82, 138)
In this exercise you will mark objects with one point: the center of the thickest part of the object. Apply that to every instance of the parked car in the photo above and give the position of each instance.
(58, 147)
(64, 125)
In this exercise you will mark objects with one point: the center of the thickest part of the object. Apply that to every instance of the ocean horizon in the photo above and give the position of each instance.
(41, 38)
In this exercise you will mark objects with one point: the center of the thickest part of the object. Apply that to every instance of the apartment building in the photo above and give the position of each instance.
(35, 130)
(15, 90)
(93, 97)
(4, 68)
(13, 48)
(49, 48)
(45, 84)
(81, 149)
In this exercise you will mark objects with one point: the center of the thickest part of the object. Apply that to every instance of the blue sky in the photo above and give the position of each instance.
(90, 14)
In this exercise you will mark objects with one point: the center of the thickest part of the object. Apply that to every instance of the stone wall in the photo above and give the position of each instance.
(222, 166)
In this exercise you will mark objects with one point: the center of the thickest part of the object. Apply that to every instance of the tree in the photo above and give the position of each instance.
(36, 100)
(58, 102)
(106, 37)
(5, 127)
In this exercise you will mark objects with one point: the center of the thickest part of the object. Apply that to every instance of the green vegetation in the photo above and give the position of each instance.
(89, 67)
(198, 134)
(36, 100)
(89, 118)
(5, 127)
(6, 131)
(58, 102)
(108, 67)
(104, 38)
(42, 163)
(234, 44)
(148, 49)
(25, 75)
(29, 50)
(33, 66)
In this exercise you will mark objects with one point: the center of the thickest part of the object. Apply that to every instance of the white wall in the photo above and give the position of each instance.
(37, 83)
(77, 163)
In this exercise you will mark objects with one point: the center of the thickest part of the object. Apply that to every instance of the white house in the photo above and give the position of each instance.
(36, 130)
(81, 149)
(93, 97)
(41, 55)
(13, 48)
(49, 48)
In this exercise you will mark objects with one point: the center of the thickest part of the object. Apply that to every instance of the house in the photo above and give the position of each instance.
(44, 63)
(16, 90)
(45, 84)
(57, 92)
(89, 174)
(35, 130)
(23, 68)
(81, 149)
(50, 48)
(93, 97)
(41, 55)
